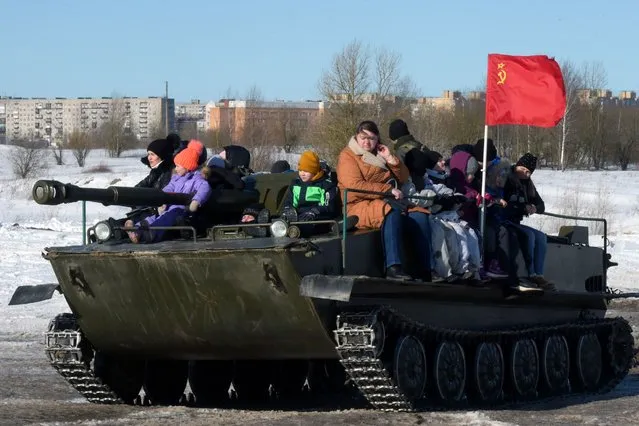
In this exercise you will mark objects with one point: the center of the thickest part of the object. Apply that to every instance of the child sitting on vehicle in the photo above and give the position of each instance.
(313, 195)
(187, 180)
(453, 238)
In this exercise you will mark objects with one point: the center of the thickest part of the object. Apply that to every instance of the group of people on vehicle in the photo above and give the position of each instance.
(410, 191)
(412, 194)
(181, 167)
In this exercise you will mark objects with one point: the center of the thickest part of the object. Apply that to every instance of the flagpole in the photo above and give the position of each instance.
(482, 216)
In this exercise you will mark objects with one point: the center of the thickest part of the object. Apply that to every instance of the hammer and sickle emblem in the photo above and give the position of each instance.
(501, 73)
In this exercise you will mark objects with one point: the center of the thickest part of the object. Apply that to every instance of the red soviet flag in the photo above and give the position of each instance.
(525, 90)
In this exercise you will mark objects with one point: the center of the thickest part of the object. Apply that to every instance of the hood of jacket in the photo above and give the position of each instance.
(237, 156)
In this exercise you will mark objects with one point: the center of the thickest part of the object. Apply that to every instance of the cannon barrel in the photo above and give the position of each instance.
(52, 192)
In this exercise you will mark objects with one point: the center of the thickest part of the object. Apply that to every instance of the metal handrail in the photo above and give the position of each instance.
(163, 228)
(84, 222)
(605, 235)
(334, 229)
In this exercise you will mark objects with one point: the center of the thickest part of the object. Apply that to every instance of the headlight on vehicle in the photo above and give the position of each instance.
(279, 229)
(294, 231)
(102, 231)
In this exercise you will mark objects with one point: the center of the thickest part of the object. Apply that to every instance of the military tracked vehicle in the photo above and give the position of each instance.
(271, 318)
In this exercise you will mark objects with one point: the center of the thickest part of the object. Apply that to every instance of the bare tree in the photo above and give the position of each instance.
(290, 130)
(80, 144)
(230, 93)
(58, 151)
(187, 129)
(254, 94)
(27, 158)
(627, 136)
(348, 78)
(358, 85)
(257, 137)
(595, 115)
(216, 138)
(116, 134)
(429, 125)
(573, 81)
(157, 131)
(386, 76)
(466, 121)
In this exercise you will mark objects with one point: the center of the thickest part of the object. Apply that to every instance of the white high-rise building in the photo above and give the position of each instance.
(191, 114)
(54, 119)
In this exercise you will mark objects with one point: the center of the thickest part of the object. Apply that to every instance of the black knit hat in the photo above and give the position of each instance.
(237, 156)
(491, 151)
(416, 161)
(397, 129)
(529, 161)
(280, 166)
(162, 148)
(432, 158)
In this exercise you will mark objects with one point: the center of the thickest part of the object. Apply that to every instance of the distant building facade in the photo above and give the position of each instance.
(234, 116)
(54, 119)
(626, 98)
(448, 101)
(190, 118)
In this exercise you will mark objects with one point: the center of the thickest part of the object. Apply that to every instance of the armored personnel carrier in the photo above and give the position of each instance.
(271, 318)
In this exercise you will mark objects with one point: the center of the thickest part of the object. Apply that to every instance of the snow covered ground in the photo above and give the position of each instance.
(26, 228)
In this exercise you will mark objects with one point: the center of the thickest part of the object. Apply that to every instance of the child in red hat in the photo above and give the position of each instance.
(186, 180)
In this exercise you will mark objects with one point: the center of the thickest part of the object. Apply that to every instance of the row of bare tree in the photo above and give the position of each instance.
(369, 85)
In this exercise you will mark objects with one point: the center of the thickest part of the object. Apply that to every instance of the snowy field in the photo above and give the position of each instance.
(26, 227)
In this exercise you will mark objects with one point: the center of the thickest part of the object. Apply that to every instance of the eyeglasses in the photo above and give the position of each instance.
(365, 137)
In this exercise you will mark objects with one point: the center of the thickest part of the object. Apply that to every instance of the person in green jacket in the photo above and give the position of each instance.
(403, 143)
(313, 195)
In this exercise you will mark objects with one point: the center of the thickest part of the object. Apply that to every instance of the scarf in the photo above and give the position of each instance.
(367, 157)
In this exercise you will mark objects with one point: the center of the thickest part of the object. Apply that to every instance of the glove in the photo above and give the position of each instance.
(289, 214)
(251, 211)
(193, 206)
(307, 217)
(162, 209)
(311, 214)
(487, 197)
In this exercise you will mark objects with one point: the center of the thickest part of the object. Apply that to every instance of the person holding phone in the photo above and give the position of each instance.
(367, 164)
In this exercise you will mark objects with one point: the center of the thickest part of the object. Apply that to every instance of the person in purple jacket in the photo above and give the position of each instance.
(187, 180)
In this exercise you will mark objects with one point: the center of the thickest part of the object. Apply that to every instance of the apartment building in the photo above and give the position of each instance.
(626, 98)
(191, 118)
(235, 115)
(54, 119)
